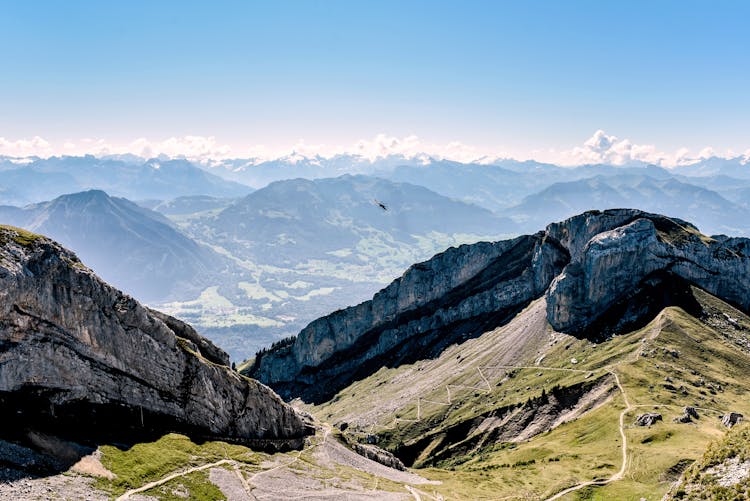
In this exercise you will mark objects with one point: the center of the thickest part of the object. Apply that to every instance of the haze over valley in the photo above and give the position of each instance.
(253, 269)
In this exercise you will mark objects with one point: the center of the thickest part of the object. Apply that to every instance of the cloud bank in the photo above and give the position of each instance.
(599, 148)
(602, 148)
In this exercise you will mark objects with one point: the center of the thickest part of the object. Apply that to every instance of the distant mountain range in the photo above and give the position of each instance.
(136, 249)
(248, 267)
(493, 184)
(38, 179)
(260, 173)
(498, 187)
(292, 222)
(308, 247)
(710, 211)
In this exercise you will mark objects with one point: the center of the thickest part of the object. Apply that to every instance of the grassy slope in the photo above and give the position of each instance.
(706, 366)
(20, 236)
(700, 481)
(147, 462)
(703, 359)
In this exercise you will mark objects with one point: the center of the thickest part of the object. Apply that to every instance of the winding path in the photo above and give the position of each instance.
(634, 356)
(610, 369)
(232, 462)
(617, 476)
(157, 483)
(296, 458)
(487, 390)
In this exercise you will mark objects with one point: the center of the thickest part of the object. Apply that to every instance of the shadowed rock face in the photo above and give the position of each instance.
(454, 296)
(601, 272)
(77, 357)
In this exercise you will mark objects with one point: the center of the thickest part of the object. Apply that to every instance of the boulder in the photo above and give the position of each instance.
(691, 412)
(687, 416)
(732, 418)
(647, 419)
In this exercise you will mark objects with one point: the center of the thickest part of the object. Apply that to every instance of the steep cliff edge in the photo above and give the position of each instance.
(454, 296)
(601, 273)
(617, 256)
(79, 358)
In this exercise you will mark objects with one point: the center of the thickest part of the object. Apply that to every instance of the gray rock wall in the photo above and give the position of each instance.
(71, 341)
(613, 262)
(587, 266)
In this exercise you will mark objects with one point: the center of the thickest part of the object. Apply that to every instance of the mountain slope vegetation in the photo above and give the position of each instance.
(525, 412)
(610, 381)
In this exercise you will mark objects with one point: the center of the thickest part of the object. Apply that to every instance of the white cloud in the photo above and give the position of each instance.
(193, 147)
(599, 148)
(383, 145)
(603, 148)
(608, 149)
(412, 146)
(25, 147)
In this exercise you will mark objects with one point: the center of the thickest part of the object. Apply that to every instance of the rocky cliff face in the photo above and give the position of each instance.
(614, 262)
(78, 357)
(458, 293)
(601, 272)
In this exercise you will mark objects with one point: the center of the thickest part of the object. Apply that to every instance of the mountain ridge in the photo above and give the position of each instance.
(43, 179)
(706, 208)
(82, 360)
(568, 263)
(137, 249)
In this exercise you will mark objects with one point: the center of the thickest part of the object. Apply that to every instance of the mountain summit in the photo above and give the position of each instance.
(134, 248)
(600, 273)
(597, 358)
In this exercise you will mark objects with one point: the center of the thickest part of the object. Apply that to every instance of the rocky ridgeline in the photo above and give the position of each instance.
(601, 272)
(77, 357)
(618, 255)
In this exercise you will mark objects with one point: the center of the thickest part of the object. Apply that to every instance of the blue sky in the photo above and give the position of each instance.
(513, 77)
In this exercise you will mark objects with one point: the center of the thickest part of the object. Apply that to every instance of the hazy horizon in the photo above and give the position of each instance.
(661, 83)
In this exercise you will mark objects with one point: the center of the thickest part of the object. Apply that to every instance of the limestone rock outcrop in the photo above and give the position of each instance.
(79, 357)
(689, 413)
(378, 455)
(731, 419)
(456, 294)
(647, 419)
(615, 264)
(601, 273)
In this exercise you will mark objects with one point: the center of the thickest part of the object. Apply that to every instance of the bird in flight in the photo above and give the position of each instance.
(380, 204)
